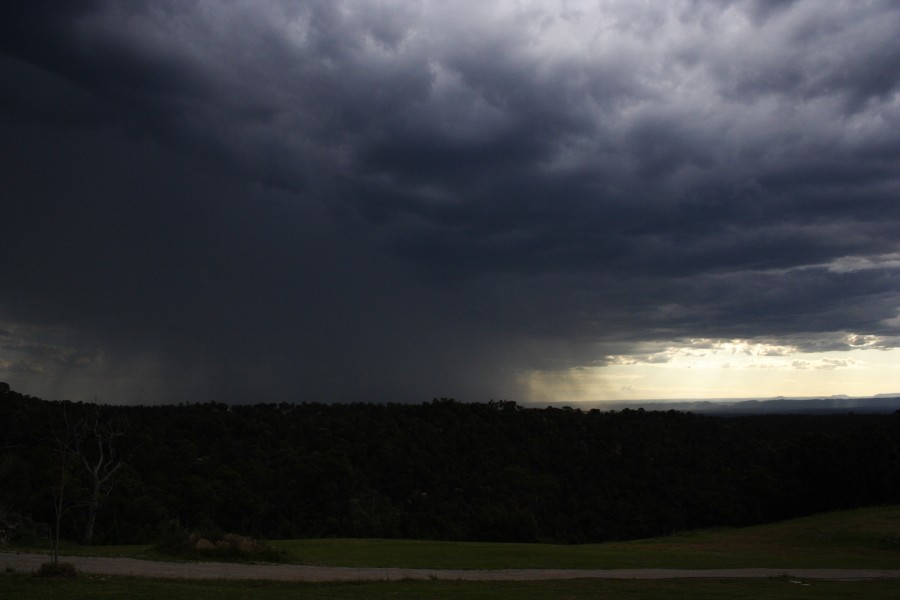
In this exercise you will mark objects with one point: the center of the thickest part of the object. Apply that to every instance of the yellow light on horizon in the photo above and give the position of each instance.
(728, 370)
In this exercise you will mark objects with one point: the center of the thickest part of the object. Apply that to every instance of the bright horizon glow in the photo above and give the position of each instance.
(722, 370)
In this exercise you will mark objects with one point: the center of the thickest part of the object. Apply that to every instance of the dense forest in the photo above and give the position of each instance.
(439, 470)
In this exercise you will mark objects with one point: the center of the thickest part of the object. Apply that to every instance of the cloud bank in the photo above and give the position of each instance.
(288, 200)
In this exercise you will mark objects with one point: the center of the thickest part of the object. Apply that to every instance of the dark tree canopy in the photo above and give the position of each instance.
(448, 470)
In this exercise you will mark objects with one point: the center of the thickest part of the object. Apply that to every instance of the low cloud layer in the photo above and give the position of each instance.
(294, 200)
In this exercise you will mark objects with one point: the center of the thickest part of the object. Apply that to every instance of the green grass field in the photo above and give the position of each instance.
(23, 587)
(859, 538)
(864, 538)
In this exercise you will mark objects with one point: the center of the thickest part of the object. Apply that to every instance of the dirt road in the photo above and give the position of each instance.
(146, 568)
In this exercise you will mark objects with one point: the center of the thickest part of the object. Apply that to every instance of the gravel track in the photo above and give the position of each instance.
(212, 570)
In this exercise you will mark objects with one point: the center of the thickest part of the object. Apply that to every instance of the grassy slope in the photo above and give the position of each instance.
(859, 538)
(868, 537)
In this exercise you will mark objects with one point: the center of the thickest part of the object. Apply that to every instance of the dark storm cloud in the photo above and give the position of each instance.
(400, 200)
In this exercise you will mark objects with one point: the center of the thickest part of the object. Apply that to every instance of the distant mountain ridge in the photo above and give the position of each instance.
(880, 403)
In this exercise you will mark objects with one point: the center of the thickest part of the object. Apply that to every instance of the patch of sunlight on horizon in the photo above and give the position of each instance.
(722, 370)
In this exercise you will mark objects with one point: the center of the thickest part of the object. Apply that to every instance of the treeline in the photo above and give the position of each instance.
(440, 470)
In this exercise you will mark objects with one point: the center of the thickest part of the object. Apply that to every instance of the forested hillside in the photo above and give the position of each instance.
(442, 470)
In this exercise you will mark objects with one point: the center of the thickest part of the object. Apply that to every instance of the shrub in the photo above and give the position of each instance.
(889, 542)
(21, 530)
(214, 545)
(59, 569)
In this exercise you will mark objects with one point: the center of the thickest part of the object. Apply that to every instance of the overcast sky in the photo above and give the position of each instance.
(283, 200)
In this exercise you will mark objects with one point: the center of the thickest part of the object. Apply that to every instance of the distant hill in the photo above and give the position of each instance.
(879, 404)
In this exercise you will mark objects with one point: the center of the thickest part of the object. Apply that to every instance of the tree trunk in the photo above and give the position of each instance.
(91, 520)
(62, 442)
(54, 550)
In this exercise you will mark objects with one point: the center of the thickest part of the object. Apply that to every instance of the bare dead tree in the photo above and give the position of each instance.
(95, 444)
(90, 439)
